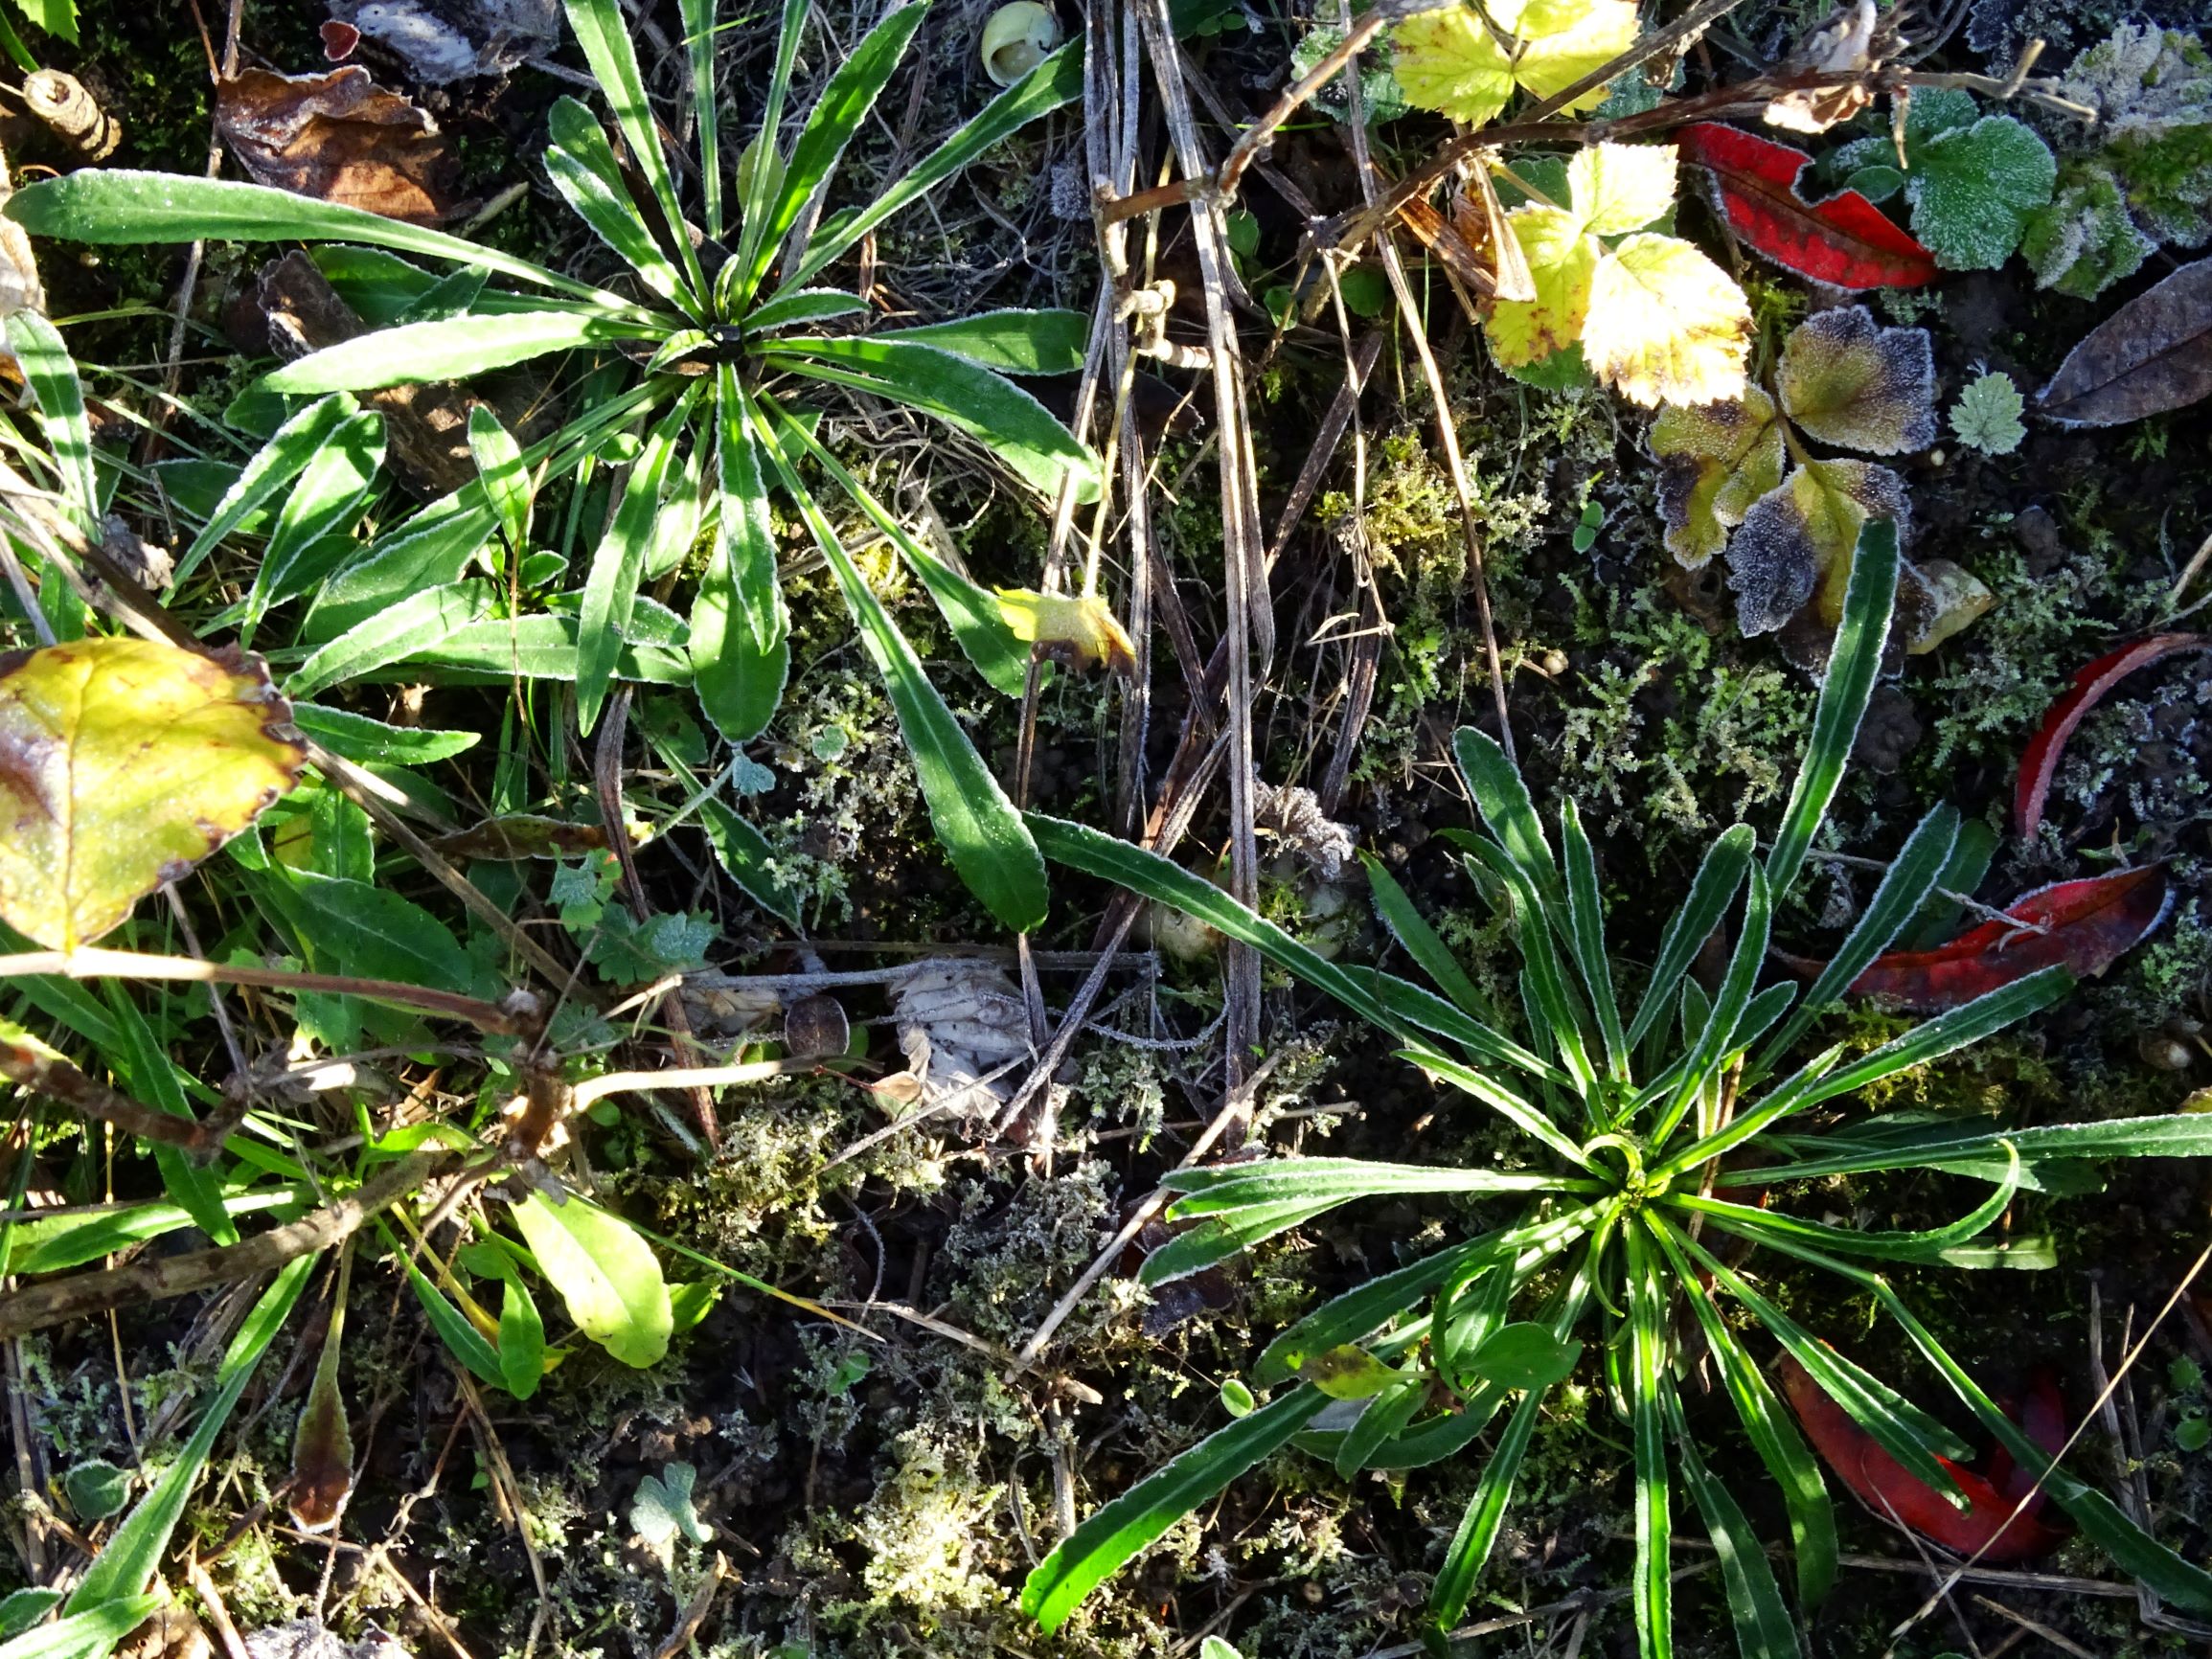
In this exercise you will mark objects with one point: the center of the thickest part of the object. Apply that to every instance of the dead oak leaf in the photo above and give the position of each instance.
(123, 763)
(340, 138)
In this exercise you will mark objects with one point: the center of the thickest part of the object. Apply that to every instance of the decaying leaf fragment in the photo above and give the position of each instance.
(1078, 630)
(2152, 354)
(339, 137)
(1715, 460)
(123, 763)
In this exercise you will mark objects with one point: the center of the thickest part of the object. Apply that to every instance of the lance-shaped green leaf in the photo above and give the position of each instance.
(1713, 890)
(506, 482)
(147, 1072)
(1117, 1531)
(699, 39)
(844, 104)
(91, 1634)
(582, 165)
(462, 1339)
(275, 465)
(792, 308)
(1941, 1146)
(1012, 342)
(607, 1274)
(450, 349)
(329, 497)
(1703, 1063)
(1522, 1115)
(1586, 937)
(51, 373)
(1773, 1434)
(121, 205)
(422, 619)
(977, 618)
(1055, 81)
(1411, 929)
(610, 589)
(541, 647)
(604, 33)
(975, 823)
(1911, 877)
(1763, 1628)
(1217, 1237)
(1654, 1590)
(1931, 1244)
(761, 167)
(967, 397)
(1212, 1189)
(1844, 694)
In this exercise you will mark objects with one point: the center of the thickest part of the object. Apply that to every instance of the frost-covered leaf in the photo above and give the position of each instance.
(1987, 416)
(1665, 325)
(2086, 239)
(1848, 381)
(1974, 188)
(663, 1510)
(1562, 259)
(1715, 460)
(2152, 354)
(123, 763)
(1449, 61)
(1843, 240)
(1794, 547)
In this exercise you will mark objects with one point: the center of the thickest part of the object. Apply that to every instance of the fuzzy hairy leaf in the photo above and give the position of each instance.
(1848, 381)
(1665, 325)
(1794, 547)
(1715, 460)
(1973, 190)
(1987, 416)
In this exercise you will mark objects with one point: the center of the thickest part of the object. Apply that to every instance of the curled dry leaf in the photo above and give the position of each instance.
(2088, 688)
(123, 763)
(2152, 354)
(1076, 631)
(339, 137)
(960, 1019)
(1987, 1528)
(1843, 240)
(2088, 925)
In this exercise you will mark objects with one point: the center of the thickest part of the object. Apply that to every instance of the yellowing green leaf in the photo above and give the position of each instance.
(605, 1273)
(1346, 1372)
(123, 763)
(1450, 61)
(1955, 598)
(1847, 381)
(1078, 630)
(1619, 188)
(1560, 262)
(1665, 325)
(1715, 460)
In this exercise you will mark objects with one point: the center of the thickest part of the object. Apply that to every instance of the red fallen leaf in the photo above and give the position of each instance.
(339, 39)
(2042, 1419)
(1844, 239)
(2089, 926)
(1885, 1486)
(2087, 688)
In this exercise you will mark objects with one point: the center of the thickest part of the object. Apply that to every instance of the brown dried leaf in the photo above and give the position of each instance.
(2152, 354)
(340, 138)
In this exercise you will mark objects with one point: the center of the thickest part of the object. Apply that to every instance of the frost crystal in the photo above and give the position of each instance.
(1987, 416)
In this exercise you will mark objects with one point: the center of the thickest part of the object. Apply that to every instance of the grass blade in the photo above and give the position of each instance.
(1853, 663)
(1114, 1533)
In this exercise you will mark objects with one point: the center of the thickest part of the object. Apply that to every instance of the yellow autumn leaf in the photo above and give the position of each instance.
(1449, 59)
(1715, 460)
(123, 763)
(1665, 325)
(1619, 188)
(1078, 630)
(1560, 262)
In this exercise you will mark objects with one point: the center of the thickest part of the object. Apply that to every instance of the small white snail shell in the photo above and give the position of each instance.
(1017, 38)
